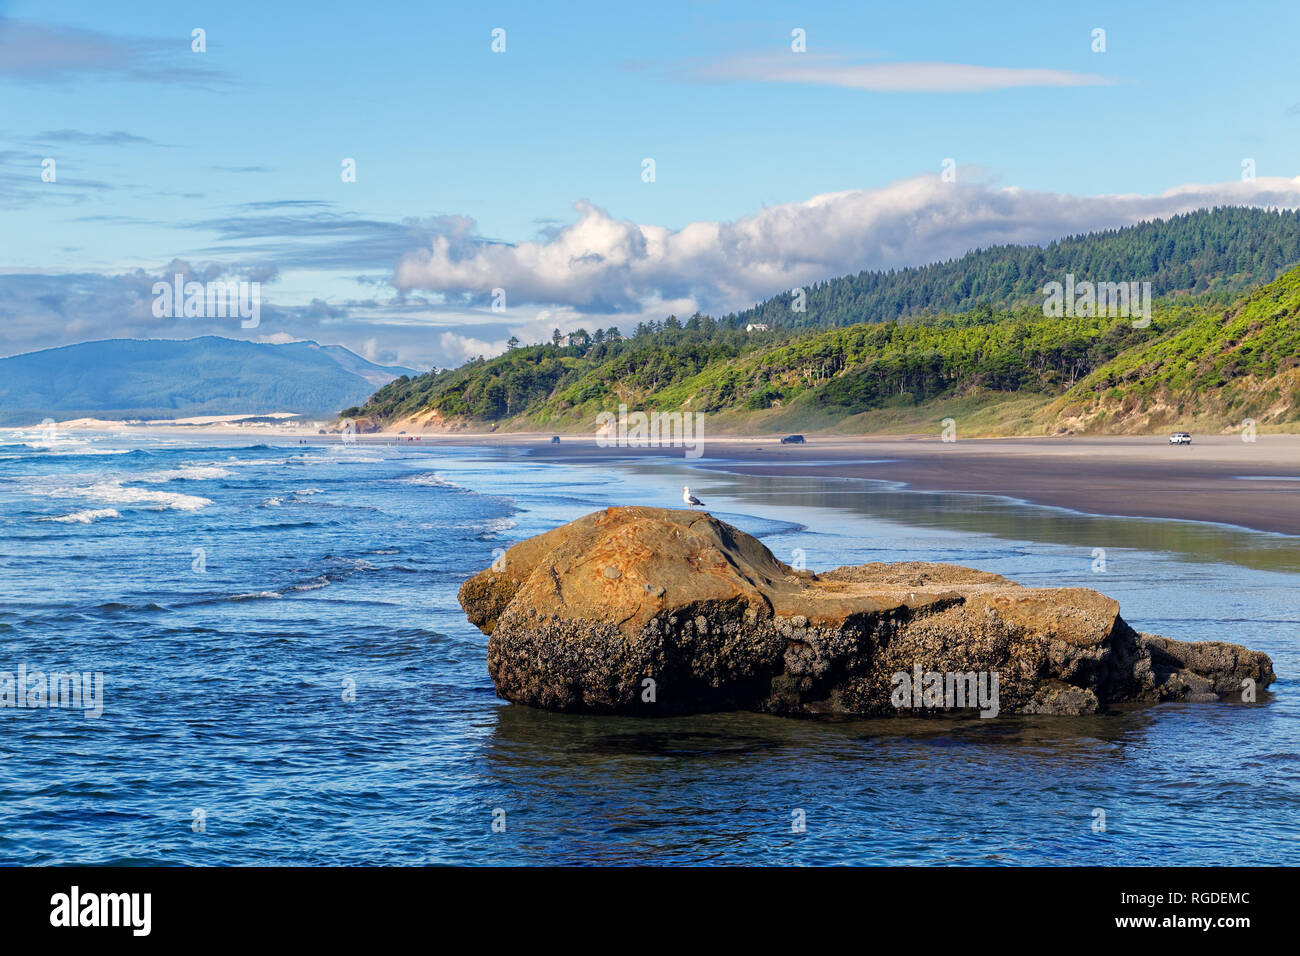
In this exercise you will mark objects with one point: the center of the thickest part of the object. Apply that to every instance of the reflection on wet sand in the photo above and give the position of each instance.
(1015, 520)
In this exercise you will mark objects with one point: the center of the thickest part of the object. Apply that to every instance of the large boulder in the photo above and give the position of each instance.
(654, 611)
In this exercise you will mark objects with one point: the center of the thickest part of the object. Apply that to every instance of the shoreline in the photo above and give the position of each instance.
(1253, 486)
(1218, 479)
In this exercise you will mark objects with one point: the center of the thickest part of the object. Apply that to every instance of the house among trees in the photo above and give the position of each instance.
(756, 327)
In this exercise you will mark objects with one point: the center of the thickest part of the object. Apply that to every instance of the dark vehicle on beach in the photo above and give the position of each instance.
(555, 439)
(792, 440)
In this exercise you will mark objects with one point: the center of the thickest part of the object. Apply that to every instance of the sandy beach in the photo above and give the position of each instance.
(1217, 478)
(1221, 479)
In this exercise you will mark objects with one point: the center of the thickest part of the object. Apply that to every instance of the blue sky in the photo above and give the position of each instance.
(229, 160)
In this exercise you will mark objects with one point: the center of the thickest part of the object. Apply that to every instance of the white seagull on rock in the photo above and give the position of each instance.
(689, 498)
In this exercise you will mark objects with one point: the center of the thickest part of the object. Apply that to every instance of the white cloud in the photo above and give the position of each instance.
(458, 349)
(832, 70)
(609, 266)
(601, 271)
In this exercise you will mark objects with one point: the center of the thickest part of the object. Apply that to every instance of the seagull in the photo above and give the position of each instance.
(689, 498)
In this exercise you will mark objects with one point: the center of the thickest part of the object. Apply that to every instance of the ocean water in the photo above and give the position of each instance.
(288, 678)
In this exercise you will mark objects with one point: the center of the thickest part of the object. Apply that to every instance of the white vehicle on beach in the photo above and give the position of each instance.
(1180, 438)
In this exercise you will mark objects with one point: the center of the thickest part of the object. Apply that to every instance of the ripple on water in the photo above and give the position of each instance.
(317, 693)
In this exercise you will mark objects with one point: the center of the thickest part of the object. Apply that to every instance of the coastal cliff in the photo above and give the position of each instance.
(654, 611)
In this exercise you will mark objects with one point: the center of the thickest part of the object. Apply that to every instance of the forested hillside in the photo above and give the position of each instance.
(1221, 250)
(1209, 356)
(1227, 366)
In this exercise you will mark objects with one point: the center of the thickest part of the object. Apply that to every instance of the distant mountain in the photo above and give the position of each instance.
(166, 378)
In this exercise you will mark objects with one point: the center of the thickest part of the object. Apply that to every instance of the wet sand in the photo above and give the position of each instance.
(1221, 479)
(1217, 478)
